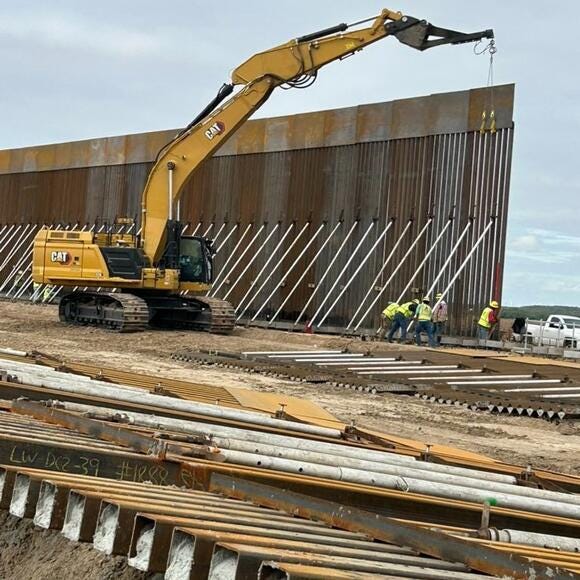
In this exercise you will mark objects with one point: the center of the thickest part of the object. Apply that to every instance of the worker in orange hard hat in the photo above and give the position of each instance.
(487, 321)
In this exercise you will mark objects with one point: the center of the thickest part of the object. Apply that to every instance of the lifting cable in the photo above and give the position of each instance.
(491, 49)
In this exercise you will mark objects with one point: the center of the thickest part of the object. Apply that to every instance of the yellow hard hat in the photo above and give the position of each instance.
(416, 301)
(438, 295)
(426, 299)
(494, 304)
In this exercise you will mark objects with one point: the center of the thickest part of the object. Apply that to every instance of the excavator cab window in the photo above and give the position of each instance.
(195, 262)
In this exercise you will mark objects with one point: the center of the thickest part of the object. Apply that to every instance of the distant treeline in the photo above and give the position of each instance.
(538, 311)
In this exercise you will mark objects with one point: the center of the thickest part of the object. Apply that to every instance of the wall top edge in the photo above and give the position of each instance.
(439, 113)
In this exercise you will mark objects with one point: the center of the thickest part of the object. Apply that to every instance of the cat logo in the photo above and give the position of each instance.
(216, 129)
(60, 257)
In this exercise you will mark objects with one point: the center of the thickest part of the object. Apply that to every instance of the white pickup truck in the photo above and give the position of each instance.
(559, 330)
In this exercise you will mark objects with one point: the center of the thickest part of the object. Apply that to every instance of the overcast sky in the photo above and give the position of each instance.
(76, 69)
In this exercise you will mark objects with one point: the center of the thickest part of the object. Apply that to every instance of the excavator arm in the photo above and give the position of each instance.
(294, 64)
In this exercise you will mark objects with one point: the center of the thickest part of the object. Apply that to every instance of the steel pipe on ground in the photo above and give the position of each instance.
(542, 390)
(516, 382)
(325, 360)
(285, 442)
(534, 539)
(369, 362)
(394, 371)
(480, 378)
(399, 478)
(291, 352)
(338, 356)
(143, 397)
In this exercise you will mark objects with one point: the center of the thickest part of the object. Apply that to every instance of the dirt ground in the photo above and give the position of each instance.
(513, 439)
(27, 553)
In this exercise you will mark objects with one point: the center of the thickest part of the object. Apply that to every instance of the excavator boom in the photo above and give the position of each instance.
(155, 271)
(296, 64)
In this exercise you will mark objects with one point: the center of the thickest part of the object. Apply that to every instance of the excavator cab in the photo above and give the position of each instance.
(195, 260)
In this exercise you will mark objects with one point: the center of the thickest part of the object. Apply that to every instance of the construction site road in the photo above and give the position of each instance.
(519, 440)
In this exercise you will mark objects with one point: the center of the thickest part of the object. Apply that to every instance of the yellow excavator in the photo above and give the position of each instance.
(158, 276)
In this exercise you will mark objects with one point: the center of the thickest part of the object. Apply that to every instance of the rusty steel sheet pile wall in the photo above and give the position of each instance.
(288, 197)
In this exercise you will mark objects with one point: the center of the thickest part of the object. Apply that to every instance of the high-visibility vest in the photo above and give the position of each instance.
(46, 292)
(424, 312)
(484, 318)
(405, 309)
(390, 311)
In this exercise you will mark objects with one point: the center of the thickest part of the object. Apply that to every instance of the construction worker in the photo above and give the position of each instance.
(402, 318)
(439, 317)
(18, 282)
(36, 292)
(423, 316)
(47, 293)
(487, 321)
(387, 316)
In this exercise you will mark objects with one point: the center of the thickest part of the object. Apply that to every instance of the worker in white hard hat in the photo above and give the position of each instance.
(487, 321)
(423, 322)
(439, 317)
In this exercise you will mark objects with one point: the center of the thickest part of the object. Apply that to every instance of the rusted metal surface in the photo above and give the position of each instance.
(285, 571)
(99, 430)
(180, 469)
(188, 390)
(403, 160)
(193, 513)
(453, 113)
(246, 561)
(430, 542)
(429, 381)
(141, 521)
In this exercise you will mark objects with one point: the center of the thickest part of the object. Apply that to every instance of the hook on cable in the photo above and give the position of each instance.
(490, 48)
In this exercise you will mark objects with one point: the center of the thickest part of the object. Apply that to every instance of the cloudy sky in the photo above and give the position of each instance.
(75, 70)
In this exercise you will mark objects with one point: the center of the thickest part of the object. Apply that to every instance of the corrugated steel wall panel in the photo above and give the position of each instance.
(452, 173)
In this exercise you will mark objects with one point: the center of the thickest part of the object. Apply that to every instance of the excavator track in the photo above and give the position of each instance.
(218, 315)
(113, 311)
(123, 312)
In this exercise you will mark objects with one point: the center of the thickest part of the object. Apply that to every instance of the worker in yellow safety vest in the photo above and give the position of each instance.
(47, 293)
(401, 320)
(387, 316)
(487, 321)
(423, 316)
